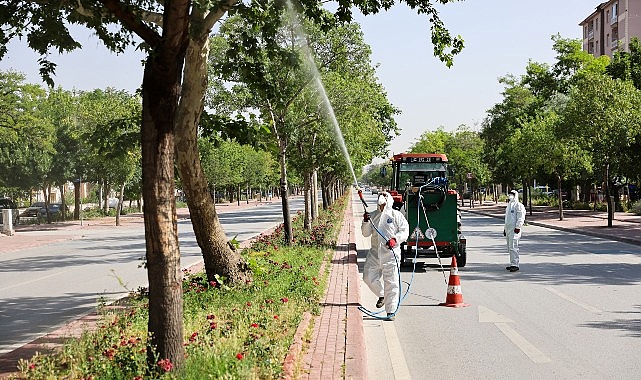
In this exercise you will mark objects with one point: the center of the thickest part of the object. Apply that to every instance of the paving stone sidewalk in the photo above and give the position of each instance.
(336, 349)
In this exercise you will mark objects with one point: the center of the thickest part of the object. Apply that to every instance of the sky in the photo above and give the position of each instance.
(500, 36)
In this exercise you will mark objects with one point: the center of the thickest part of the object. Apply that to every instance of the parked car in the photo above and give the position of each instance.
(112, 202)
(38, 208)
(6, 203)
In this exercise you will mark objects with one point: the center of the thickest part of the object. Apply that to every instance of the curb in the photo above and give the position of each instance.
(566, 229)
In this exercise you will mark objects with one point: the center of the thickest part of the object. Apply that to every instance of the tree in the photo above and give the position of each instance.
(112, 128)
(28, 135)
(627, 65)
(175, 34)
(525, 101)
(603, 116)
(463, 148)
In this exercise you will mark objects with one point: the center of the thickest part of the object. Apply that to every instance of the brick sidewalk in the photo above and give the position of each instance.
(336, 349)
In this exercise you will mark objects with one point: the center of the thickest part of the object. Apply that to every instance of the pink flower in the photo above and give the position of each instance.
(165, 365)
(240, 356)
(212, 284)
(32, 366)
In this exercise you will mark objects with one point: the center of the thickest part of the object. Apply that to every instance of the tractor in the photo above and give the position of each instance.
(420, 189)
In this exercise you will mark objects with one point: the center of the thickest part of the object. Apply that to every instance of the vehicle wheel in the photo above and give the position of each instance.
(403, 255)
(461, 257)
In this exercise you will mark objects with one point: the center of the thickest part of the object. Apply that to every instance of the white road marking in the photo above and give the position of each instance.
(587, 307)
(528, 349)
(34, 280)
(399, 365)
(501, 322)
(489, 316)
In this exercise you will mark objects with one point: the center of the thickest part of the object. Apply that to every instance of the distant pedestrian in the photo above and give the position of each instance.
(514, 219)
(381, 270)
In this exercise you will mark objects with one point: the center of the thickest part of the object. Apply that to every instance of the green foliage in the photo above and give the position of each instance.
(27, 134)
(464, 150)
(627, 65)
(564, 120)
(636, 208)
(604, 116)
(374, 177)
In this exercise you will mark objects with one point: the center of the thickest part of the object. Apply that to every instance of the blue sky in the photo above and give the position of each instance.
(500, 37)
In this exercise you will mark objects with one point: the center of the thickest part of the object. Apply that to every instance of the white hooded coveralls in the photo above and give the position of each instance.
(514, 218)
(381, 272)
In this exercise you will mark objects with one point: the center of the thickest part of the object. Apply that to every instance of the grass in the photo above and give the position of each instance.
(231, 332)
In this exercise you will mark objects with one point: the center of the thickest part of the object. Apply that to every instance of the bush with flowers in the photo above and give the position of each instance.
(231, 331)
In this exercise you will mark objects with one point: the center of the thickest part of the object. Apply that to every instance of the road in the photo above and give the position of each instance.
(42, 288)
(573, 311)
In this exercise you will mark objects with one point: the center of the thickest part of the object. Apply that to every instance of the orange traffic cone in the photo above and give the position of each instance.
(454, 296)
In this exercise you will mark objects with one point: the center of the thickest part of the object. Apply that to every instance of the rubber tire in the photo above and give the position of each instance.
(403, 262)
(461, 256)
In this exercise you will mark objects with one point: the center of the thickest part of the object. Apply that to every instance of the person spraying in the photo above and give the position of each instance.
(514, 219)
(381, 270)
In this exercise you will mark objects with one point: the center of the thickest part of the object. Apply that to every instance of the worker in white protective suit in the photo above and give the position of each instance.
(381, 271)
(514, 219)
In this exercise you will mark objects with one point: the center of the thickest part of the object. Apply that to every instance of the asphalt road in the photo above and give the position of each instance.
(42, 288)
(573, 311)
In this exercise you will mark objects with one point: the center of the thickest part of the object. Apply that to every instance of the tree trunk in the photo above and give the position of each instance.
(119, 204)
(160, 94)
(307, 191)
(560, 198)
(284, 194)
(76, 200)
(325, 191)
(218, 256)
(315, 195)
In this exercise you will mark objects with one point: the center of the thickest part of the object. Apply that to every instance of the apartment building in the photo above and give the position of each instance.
(611, 26)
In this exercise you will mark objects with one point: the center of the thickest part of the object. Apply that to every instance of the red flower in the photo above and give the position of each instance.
(193, 337)
(254, 325)
(269, 301)
(212, 284)
(240, 356)
(284, 300)
(32, 366)
(211, 316)
(165, 365)
(249, 304)
(213, 325)
(275, 316)
(109, 353)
